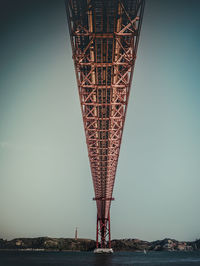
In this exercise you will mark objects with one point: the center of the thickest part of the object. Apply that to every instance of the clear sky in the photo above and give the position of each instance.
(45, 182)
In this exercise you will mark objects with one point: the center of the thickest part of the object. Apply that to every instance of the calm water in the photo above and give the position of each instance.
(31, 258)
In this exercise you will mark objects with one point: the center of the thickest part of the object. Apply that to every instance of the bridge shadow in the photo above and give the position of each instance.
(103, 259)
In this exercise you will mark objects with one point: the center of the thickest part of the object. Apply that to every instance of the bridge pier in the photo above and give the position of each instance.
(103, 232)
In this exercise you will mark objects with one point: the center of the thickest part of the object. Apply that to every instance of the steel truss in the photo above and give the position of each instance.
(104, 37)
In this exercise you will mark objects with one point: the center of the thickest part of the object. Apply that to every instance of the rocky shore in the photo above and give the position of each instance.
(159, 245)
(70, 244)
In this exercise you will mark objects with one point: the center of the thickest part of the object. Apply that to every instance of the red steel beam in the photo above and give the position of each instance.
(104, 37)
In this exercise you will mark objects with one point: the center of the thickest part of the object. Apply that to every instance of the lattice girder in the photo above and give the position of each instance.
(104, 36)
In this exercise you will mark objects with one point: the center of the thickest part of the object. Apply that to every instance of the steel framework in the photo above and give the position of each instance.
(104, 38)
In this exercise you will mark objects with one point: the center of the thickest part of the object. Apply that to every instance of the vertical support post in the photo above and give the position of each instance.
(97, 233)
(101, 232)
(109, 243)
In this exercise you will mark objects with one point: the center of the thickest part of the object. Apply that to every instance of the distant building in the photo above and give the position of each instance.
(76, 234)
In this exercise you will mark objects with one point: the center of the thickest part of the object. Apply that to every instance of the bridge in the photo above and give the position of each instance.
(104, 38)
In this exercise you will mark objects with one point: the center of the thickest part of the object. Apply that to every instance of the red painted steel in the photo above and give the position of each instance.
(104, 37)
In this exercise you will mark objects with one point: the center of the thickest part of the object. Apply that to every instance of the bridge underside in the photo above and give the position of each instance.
(104, 38)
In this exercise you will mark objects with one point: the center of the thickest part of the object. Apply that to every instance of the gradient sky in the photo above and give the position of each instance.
(45, 182)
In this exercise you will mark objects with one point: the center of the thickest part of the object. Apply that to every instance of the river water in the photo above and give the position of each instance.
(44, 258)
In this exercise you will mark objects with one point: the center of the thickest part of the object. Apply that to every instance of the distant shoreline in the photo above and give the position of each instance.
(71, 244)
